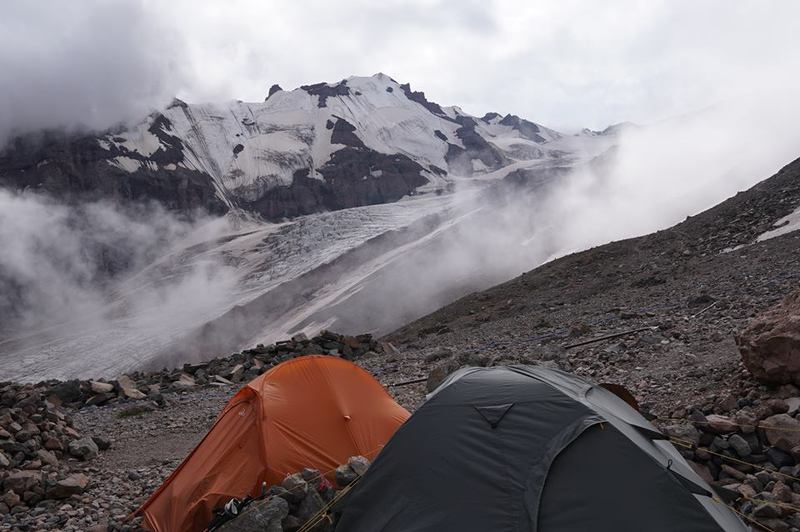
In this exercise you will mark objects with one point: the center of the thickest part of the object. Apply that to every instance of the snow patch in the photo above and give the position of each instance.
(787, 224)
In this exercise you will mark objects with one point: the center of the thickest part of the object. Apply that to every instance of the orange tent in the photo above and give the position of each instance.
(314, 411)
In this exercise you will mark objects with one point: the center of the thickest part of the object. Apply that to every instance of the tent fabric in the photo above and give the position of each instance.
(313, 411)
(529, 449)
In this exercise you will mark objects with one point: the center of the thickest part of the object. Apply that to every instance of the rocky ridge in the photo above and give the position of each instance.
(326, 146)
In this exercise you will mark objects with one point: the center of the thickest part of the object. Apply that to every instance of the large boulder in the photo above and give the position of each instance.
(770, 344)
(782, 431)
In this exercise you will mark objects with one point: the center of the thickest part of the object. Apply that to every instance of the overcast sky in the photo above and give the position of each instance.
(566, 64)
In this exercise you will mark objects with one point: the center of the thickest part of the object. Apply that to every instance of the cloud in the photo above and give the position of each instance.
(85, 64)
(566, 63)
(101, 286)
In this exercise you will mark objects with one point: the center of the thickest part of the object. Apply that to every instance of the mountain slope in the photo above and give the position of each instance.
(666, 280)
(361, 141)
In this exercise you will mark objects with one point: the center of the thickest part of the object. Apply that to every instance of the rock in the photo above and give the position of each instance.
(732, 472)
(740, 445)
(128, 388)
(102, 443)
(66, 392)
(779, 458)
(263, 515)
(4, 461)
(53, 444)
(439, 373)
(84, 448)
(101, 387)
(310, 505)
(766, 509)
(184, 382)
(746, 422)
(782, 492)
(296, 486)
(794, 405)
(345, 475)
(74, 484)
(782, 431)
(280, 491)
(720, 424)
(236, 373)
(99, 399)
(358, 464)
(777, 406)
(292, 524)
(22, 481)
(47, 457)
(746, 490)
(683, 432)
(222, 380)
(770, 344)
(11, 499)
(439, 354)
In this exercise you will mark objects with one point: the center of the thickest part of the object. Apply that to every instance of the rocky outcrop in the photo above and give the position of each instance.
(475, 148)
(78, 168)
(770, 344)
(325, 91)
(353, 177)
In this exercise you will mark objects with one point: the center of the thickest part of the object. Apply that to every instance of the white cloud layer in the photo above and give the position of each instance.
(565, 63)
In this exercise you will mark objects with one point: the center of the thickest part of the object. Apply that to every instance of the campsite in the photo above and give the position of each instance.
(399, 266)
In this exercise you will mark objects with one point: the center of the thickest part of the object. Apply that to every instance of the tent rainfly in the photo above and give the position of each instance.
(313, 411)
(530, 449)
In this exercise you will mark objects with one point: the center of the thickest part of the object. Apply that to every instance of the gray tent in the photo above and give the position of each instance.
(526, 449)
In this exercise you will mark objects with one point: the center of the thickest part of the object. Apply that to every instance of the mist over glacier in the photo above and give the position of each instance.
(196, 289)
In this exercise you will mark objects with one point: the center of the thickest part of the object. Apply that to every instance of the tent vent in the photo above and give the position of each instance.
(493, 414)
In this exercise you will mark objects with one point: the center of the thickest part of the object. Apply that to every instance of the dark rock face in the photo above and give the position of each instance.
(475, 147)
(419, 97)
(344, 133)
(488, 117)
(440, 135)
(272, 90)
(354, 176)
(78, 168)
(325, 91)
(527, 130)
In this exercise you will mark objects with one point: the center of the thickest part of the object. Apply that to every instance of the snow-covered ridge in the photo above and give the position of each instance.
(249, 148)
